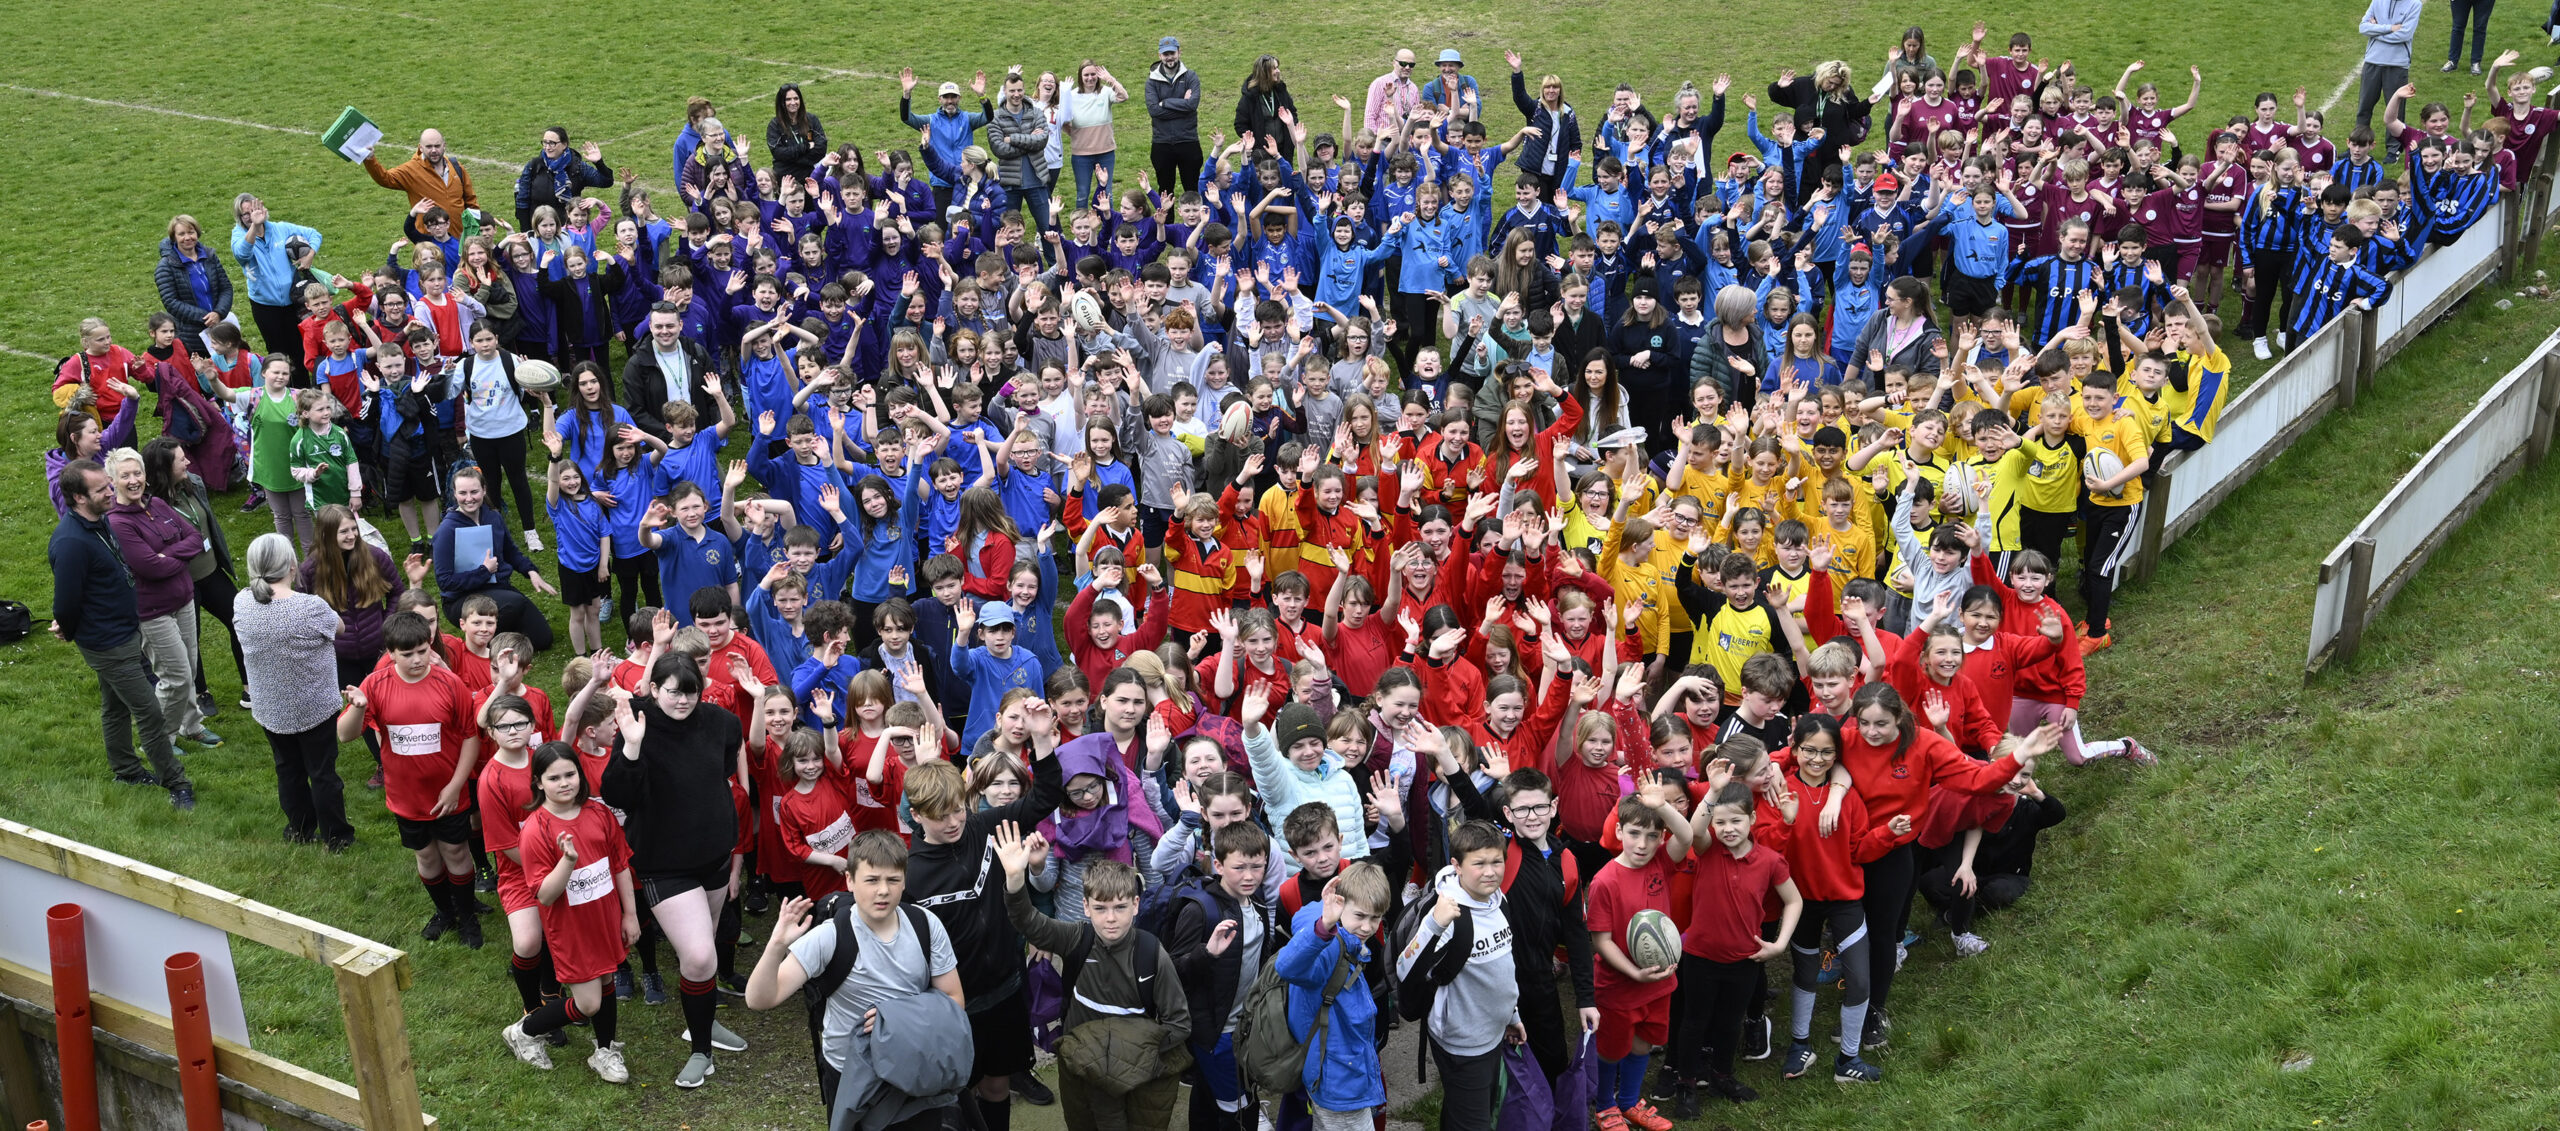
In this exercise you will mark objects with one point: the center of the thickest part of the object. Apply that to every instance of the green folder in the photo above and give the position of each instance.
(352, 136)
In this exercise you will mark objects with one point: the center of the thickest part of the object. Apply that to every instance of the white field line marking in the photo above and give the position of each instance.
(2343, 84)
(375, 12)
(832, 71)
(147, 109)
(14, 351)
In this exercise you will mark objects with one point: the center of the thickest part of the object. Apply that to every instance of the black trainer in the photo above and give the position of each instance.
(1853, 1070)
(468, 932)
(1755, 1039)
(1799, 1060)
(1684, 1102)
(435, 926)
(1666, 1084)
(1733, 1089)
(1030, 1090)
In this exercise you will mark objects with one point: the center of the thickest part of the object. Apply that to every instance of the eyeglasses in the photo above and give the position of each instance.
(1084, 792)
(511, 728)
(1540, 810)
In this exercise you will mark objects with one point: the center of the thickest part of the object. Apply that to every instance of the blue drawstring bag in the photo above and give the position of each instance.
(1045, 996)
(1574, 1088)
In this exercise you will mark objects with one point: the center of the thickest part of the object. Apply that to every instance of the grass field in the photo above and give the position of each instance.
(2354, 872)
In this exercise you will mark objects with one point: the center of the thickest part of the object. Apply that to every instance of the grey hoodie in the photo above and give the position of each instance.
(1468, 1015)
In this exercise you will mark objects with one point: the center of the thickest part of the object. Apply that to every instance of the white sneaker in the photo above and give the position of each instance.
(2261, 347)
(533, 538)
(2135, 753)
(721, 1038)
(527, 1048)
(1901, 954)
(607, 1061)
(1969, 944)
(696, 1067)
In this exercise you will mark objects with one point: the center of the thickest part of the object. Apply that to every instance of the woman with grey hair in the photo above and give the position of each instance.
(1729, 354)
(289, 639)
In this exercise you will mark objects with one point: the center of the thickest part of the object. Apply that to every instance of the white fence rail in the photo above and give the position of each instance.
(2509, 429)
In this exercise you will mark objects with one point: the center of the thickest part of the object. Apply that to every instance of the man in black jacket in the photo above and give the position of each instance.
(668, 367)
(1173, 103)
(949, 868)
(94, 608)
(1217, 960)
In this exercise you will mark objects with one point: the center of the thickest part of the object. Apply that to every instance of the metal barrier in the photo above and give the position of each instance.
(2506, 431)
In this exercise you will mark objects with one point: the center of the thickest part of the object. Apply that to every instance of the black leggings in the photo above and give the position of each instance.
(1956, 908)
(504, 455)
(637, 577)
(1417, 327)
(2270, 276)
(214, 593)
(1851, 937)
(2043, 532)
(1888, 907)
(281, 327)
(1711, 1024)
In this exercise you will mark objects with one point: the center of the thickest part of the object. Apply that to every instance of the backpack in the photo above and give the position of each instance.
(1416, 988)
(1119, 1053)
(1274, 1061)
(1157, 908)
(16, 622)
(1566, 863)
(183, 424)
(839, 906)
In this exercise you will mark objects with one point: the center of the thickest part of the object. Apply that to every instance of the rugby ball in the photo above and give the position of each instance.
(2103, 464)
(535, 376)
(1960, 482)
(1652, 940)
(1087, 312)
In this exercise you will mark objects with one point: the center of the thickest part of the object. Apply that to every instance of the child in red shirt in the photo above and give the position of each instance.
(421, 715)
(1827, 870)
(574, 853)
(816, 824)
(1635, 1002)
(505, 795)
(1721, 949)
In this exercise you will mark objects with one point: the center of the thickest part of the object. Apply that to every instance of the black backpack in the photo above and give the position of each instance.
(16, 621)
(839, 906)
(1436, 966)
(1143, 960)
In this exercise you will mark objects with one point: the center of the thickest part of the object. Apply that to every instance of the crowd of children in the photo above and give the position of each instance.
(1321, 575)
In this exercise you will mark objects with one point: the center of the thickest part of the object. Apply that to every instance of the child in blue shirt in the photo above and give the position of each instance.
(691, 456)
(578, 529)
(691, 555)
(828, 668)
(992, 668)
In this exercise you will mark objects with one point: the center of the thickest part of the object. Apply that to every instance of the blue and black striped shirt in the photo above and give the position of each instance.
(2325, 291)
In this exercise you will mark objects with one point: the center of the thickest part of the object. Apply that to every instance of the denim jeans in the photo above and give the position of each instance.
(1084, 175)
(1036, 200)
(127, 701)
(169, 646)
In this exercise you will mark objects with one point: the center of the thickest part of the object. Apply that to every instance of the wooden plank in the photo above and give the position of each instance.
(180, 895)
(288, 1082)
(378, 1044)
(28, 1101)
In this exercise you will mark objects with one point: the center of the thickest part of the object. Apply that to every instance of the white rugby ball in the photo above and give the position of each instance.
(1959, 481)
(1087, 312)
(536, 376)
(2103, 464)
(1652, 940)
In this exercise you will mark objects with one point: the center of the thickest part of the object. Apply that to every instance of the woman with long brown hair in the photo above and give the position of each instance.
(358, 581)
(1260, 106)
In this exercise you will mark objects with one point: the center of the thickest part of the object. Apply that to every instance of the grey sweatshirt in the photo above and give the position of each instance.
(1468, 1015)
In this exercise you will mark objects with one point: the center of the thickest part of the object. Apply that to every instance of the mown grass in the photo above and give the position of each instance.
(2353, 871)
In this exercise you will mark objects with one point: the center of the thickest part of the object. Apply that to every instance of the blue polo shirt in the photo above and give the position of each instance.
(687, 563)
(698, 463)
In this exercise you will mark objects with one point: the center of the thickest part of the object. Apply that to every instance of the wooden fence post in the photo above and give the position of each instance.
(2545, 408)
(2359, 590)
(2508, 250)
(378, 1042)
(2367, 347)
(2351, 382)
(2155, 521)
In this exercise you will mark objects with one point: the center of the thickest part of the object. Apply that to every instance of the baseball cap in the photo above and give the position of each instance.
(1887, 182)
(1450, 55)
(995, 613)
(1739, 157)
(1168, 43)
(951, 90)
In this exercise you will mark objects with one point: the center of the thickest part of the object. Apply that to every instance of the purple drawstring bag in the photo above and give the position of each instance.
(1574, 1088)
(1526, 1102)
(1045, 996)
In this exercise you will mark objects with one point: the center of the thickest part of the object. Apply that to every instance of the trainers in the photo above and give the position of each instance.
(256, 499)
(2138, 754)
(1030, 1090)
(2261, 349)
(337, 845)
(1852, 1070)
(2448, 67)
(1799, 1060)
(1684, 1101)
(487, 880)
(1969, 944)
(557, 1038)
(203, 737)
(183, 798)
(299, 836)
(1733, 1089)
(468, 932)
(607, 1061)
(434, 929)
(756, 902)
(1643, 1115)
(2092, 645)
(532, 540)
(244, 700)
(622, 987)
(731, 985)
(1755, 1039)
(1666, 1083)
(206, 706)
(653, 991)
(721, 1038)
(1873, 1037)
(2475, 68)
(374, 783)
(527, 1048)
(144, 778)
(696, 1067)
(1610, 1119)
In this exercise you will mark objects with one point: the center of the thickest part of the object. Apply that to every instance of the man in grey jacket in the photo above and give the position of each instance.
(2388, 27)
(1173, 104)
(1019, 136)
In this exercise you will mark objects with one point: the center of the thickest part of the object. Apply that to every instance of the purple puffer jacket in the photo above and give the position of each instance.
(156, 543)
